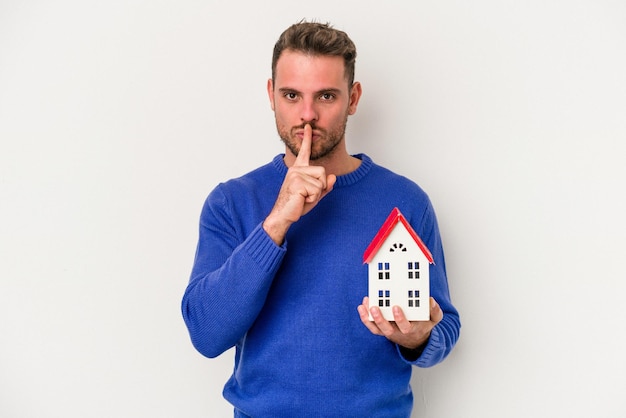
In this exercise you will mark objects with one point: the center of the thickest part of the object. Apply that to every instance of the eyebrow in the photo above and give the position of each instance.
(292, 90)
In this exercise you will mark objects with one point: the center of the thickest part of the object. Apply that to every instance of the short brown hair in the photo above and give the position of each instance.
(317, 39)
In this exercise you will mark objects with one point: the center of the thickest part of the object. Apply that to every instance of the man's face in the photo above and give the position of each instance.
(311, 89)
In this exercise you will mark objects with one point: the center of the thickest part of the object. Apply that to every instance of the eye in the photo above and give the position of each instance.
(290, 95)
(327, 97)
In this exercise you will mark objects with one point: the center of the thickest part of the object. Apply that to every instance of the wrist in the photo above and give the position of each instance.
(275, 229)
(412, 354)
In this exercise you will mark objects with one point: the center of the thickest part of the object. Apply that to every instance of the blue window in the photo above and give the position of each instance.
(384, 298)
(383, 271)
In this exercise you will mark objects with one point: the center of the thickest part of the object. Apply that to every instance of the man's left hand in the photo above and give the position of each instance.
(408, 334)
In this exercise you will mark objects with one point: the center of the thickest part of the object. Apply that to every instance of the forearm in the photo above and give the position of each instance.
(219, 306)
(445, 334)
(442, 339)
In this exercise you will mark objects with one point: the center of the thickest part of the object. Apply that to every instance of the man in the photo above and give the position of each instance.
(278, 272)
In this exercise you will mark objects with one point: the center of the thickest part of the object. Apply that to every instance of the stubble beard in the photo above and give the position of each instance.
(322, 147)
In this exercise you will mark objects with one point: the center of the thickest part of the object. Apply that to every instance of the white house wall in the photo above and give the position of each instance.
(398, 284)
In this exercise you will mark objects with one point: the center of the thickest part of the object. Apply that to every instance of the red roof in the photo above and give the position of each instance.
(394, 217)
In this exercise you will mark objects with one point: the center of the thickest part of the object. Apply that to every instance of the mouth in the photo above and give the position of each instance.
(315, 134)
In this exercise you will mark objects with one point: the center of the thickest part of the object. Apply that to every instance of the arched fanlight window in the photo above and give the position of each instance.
(397, 247)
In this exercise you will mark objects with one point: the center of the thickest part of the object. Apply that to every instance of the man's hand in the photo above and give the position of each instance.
(304, 186)
(403, 332)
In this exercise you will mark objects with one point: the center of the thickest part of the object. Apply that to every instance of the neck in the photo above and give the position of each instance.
(339, 168)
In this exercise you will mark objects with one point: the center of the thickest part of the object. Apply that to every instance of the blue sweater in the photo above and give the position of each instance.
(290, 310)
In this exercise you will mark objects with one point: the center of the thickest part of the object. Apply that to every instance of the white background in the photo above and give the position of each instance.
(117, 118)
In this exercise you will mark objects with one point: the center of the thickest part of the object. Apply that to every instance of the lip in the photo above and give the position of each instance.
(314, 135)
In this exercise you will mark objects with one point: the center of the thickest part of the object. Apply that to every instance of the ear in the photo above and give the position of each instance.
(270, 92)
(355, 96)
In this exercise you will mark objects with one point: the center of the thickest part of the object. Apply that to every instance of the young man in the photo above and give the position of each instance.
(278, 272)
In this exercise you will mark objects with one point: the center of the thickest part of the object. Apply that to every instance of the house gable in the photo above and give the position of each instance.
(383, 233)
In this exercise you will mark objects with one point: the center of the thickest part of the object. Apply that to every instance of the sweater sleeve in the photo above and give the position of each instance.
(230, 279)
(445, 334)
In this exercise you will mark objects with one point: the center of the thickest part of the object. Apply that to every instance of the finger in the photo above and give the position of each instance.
(365, 318)
(364, 309)
(383, 325)
(371, 326)
(366, 302)
(436, 314)
(404, 325)
(314, 189)
(304, 155)
(326, 187)
(364, 314)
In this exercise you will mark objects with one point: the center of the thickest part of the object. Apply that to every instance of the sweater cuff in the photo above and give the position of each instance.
(263, 250)
(426, 355)
(412, 354)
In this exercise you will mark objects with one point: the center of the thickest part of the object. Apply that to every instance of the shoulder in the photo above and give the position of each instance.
(391, 180)
(261, 177)
(252, 186)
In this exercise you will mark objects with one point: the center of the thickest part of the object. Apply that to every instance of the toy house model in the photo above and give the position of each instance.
(398, 270)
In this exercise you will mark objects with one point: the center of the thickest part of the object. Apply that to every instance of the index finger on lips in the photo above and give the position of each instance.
(304, 154)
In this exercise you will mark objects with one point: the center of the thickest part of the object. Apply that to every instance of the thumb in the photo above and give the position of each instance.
(436, 314)
(331, 179)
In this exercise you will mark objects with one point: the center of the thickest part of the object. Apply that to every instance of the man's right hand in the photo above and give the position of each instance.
(304, 186)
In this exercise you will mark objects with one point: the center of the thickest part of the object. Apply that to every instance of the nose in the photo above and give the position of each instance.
(308, 111)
